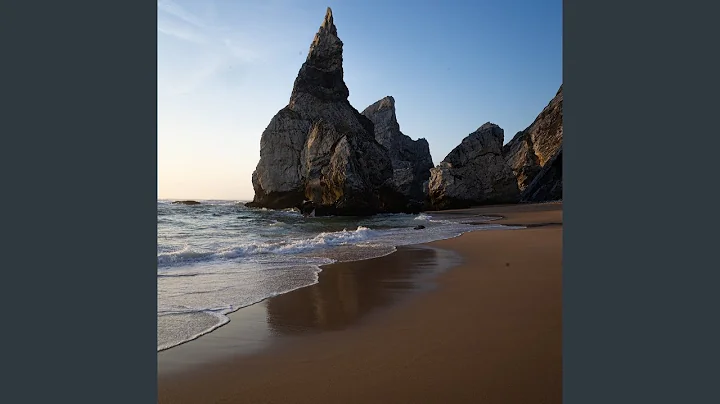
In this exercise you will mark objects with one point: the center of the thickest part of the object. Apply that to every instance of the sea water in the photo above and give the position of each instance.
(219, 256)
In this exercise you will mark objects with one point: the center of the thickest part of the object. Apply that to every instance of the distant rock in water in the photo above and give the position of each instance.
(530, 152)
(418, 227)
(307, 208)
(474, 173)
(187, 202)
(321, 149)
(411, 160)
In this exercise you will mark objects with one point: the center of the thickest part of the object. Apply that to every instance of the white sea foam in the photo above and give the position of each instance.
(423, 216)
(197, 300)
(187, 254)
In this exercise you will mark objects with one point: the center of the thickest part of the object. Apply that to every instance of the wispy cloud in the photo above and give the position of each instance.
(240, 51)
(176, 21)
(180, 31)
(197, 77)
(220, 46)
(174, 9)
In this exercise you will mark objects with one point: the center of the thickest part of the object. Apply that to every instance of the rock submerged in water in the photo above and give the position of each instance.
(474, 173)
(307, 208)
(321, 149)
(535, 154)
(187, 203)
(410, 159)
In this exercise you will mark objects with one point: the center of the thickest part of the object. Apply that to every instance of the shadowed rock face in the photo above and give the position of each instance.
(319, 148)
(531, 150)
(547, 185)
(411, 160)
(474, 173)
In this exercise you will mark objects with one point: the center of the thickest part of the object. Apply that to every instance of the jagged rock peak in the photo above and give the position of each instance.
(384, 103)
(474, 173)
(490, 136)
(487, 125)
(325, 40)
(383, 112)
(321, 76)
(411, 160)
(328, 22)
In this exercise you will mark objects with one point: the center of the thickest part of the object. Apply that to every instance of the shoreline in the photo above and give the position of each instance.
(215, 344)
(489, 220)
(249, 351)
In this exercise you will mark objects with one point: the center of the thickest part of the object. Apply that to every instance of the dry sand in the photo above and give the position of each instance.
(489, 332)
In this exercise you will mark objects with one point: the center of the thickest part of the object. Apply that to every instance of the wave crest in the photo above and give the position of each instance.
(322, 240)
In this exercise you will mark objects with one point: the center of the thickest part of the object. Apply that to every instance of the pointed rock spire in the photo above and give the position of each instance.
(328, 23)
(320, 148)
(321, 76)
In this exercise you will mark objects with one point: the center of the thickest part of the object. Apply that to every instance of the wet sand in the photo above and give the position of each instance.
(398, 329)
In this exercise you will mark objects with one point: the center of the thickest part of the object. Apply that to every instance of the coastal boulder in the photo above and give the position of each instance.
(474, 173)
(531, 150)
(321, 149)
(410, 159)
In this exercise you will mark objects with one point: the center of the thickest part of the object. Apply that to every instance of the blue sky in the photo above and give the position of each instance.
(226, 67)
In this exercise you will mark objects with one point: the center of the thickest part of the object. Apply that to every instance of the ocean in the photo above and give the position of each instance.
(220, 256)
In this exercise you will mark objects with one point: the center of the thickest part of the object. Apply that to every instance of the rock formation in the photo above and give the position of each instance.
(411, 160)
(321, 149)
(547, 185)
(474, 173)
(532, 150)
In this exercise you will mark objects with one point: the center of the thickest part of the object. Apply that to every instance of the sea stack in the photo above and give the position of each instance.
(474, 173)
(411, 160)
(321, 149)
(535, 154)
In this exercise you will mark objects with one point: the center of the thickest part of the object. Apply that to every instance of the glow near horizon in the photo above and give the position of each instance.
(224, 70)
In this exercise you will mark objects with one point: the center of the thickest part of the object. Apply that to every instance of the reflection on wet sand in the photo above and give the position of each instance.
(346, 292)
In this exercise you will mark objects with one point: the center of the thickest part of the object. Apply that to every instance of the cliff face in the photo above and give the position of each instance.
(531, 150)
(319, 148)
(474, 173)
(547, 185)
(410, 159)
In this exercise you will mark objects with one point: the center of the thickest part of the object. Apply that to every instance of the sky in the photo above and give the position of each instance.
(226, 67)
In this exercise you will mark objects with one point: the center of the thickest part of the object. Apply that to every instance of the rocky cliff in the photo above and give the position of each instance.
(531, 150)
(474, 173)
(321, 149)
(547, 185)
(410, 159)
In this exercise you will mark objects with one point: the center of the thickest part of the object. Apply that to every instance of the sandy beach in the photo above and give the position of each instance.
(474, 319)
